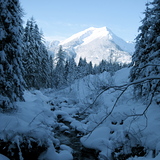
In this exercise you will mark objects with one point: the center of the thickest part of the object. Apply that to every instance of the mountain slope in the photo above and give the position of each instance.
(96, 44)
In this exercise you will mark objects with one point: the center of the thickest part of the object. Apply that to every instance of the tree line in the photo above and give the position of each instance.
(44, 71)
(66, 70)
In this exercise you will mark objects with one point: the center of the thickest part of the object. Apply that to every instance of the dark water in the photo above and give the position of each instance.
(71, 138)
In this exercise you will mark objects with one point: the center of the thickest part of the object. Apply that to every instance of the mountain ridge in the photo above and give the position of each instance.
(96, 44)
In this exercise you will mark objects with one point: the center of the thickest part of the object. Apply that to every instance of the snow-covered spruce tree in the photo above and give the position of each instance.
(146, 58)
(102, 66)
(44, 66)
(108, 66)
(29, 57)
(50, 73)
(90, 68)
(59, 71)
(11, 80)
(70, 71)
(82, 68)
(36, 59)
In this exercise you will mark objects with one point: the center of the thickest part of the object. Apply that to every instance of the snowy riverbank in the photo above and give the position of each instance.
(113, 123)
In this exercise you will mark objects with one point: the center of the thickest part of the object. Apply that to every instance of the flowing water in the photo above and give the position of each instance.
(71, 138)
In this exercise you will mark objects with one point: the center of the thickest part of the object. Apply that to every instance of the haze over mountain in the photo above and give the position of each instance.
(95, 44)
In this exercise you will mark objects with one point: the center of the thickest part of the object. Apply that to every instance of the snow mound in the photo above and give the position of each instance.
(99, 140)
(82, 87)
(2, 157)
(51, 154)
(122, 76)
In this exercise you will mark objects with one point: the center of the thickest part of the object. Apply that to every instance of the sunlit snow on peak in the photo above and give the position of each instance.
(97, 33)
(97, 44)
(89, 35)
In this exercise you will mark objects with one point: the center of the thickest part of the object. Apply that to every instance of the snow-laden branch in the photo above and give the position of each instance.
(142, 80)
(148, 65)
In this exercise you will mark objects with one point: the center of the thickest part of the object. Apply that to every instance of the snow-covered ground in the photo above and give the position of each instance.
(107, 123)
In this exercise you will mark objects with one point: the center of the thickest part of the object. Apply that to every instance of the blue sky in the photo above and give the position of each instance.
(59, 19)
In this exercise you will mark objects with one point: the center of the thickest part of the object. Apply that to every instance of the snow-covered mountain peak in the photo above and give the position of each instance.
(97, 44)
(97, 33)
(88, 35)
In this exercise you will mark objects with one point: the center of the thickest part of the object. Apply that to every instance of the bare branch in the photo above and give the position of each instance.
(144, 112)
(93, 101)
(35, 117)
(121, 87)
(125, 87)
(109, 112)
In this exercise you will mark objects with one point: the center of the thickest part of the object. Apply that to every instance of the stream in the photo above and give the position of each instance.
(71, 138)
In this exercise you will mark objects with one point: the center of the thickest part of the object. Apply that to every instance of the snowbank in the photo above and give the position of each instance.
(86, 89)
(99, 140)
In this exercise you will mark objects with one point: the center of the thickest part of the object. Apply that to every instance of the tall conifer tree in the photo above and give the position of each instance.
(146, 58)
(59, 72)
(36, 60)
(70, 71)
(11, 81)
